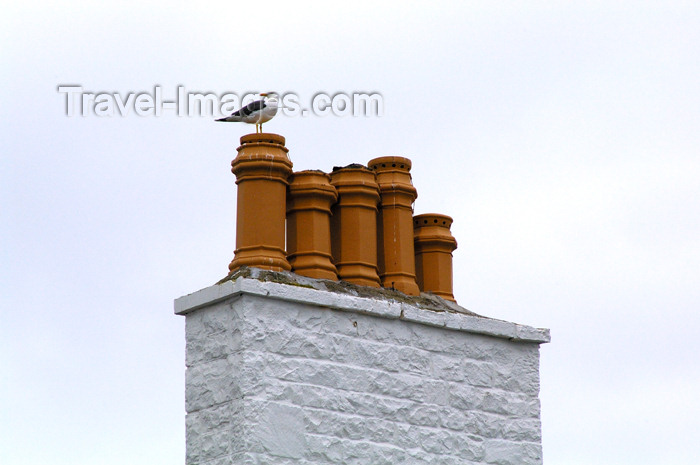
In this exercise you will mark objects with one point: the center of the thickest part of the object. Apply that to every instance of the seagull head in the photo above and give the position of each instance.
(269, 94)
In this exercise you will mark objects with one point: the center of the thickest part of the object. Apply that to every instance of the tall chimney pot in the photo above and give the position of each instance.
(354, 225)
(434, 245)
(309, 203)
(261, 168)
(395, 229)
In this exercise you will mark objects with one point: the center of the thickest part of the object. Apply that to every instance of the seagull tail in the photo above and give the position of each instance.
(230, 119)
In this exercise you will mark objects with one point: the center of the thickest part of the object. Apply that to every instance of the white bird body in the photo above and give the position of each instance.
(257, 112)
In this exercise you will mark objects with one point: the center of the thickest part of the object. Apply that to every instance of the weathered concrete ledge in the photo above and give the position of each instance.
(426, 309)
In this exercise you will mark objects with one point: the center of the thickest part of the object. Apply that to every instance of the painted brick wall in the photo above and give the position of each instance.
(284, 381)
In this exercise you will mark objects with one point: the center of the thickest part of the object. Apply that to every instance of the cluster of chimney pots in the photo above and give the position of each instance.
(355, 224)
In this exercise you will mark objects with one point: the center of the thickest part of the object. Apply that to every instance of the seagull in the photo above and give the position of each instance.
(257, 112)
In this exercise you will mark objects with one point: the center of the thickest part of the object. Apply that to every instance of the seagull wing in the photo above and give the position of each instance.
(251, 107)
(240, 115)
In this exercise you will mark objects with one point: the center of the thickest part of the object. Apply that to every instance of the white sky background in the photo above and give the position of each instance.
(562, 138)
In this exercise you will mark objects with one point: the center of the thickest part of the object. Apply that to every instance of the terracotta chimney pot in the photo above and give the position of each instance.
(261, 168)
(395, 239)
(309, 201)
(354, 225)
(434, 246)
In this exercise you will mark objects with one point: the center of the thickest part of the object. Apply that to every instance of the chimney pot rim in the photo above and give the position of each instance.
(432, 219)
(391, 162)
(267, 137)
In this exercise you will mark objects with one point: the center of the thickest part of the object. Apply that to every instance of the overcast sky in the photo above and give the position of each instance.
(562, 138)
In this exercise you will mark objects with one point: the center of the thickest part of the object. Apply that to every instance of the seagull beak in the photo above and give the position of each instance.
(264, 94)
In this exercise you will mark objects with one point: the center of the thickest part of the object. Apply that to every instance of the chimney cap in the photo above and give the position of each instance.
(384, 163)
(433, 219)
(267, 137)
